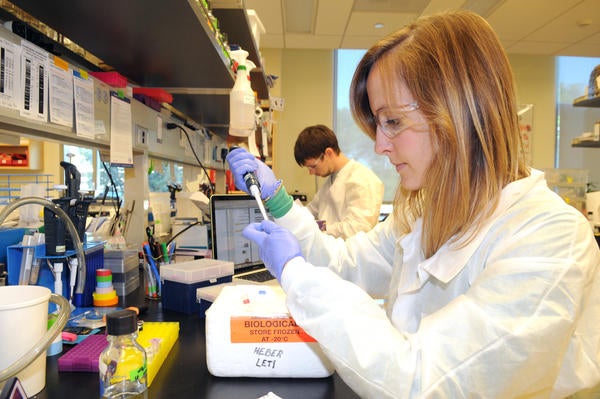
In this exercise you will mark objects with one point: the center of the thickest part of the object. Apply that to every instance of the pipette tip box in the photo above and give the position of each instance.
(179, 282)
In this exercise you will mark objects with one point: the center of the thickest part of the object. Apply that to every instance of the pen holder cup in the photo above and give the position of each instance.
(151, 283)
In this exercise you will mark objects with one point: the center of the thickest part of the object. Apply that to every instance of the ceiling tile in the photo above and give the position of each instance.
(393, 6)
(516, 19)
(531, 47)
(566, 27)
(359, 42)
(592, 40)
(543, 26)
(312, 41)
(270, 14)
(362, 23)
(481, 7)
(436, 6)
(581, 50)
(271, 41)
(507, 43)
(332, 16)
(299, 16)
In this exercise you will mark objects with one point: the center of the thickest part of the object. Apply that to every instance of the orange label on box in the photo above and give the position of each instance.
(246, 329)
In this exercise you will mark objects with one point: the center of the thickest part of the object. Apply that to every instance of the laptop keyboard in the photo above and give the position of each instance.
(259, 277)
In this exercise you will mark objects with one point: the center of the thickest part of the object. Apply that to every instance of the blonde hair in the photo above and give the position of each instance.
(457, 71)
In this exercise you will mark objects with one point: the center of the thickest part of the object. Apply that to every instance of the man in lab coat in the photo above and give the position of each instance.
(350, 199)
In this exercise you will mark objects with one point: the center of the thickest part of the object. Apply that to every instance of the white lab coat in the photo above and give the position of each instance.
(350, 202)
(514, 314)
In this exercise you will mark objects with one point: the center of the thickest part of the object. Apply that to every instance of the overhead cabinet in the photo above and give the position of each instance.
(164, 44)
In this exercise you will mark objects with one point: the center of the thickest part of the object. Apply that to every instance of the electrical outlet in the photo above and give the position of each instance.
(141, 136)
(277, 103)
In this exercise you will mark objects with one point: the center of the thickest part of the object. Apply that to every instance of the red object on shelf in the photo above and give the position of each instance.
(114, 79)
(19, 160)
(5, 159)
(157, 94)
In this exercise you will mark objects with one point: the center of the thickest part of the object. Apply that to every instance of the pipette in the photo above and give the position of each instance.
(254, 188)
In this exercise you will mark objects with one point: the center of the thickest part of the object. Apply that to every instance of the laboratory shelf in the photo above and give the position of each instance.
(585, 143)
(161, 44)
(10, 185)
(585, 101)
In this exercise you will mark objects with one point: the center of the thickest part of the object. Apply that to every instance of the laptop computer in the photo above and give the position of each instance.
(229, 214)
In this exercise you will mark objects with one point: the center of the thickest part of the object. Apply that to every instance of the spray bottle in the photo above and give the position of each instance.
(242, 103)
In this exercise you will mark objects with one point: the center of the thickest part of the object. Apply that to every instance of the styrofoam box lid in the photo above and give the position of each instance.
(196, 271)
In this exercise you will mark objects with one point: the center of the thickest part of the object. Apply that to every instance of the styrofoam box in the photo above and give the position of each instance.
(250, 333)
(196, 271)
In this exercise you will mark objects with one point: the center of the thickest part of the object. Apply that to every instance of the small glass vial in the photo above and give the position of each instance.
(123, 363)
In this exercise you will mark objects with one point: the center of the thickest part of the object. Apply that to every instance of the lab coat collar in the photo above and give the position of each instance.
(451, 258)
(343, 171)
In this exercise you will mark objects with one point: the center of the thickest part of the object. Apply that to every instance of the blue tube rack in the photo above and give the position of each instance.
(94, 259)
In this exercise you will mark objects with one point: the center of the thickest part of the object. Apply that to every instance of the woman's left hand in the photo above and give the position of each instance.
(276, 245)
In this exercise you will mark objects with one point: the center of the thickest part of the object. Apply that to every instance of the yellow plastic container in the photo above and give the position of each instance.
(157, 338)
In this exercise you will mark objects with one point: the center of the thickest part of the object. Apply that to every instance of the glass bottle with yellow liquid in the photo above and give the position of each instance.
(123, 363)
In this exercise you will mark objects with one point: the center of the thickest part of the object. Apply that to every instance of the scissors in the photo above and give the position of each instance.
(151, 242)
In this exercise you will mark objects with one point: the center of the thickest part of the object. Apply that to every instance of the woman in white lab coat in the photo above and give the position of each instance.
(490, 279)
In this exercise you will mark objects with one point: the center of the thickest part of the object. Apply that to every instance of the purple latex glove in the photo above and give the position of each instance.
(276, 245)
(241, 161)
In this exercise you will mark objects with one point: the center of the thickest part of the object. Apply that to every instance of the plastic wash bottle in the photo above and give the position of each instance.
(242, 103)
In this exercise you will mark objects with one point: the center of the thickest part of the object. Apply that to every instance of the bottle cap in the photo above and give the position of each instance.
(121, 322)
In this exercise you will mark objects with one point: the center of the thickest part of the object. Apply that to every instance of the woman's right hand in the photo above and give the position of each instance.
(241, 162)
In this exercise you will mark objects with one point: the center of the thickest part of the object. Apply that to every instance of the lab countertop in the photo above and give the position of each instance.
(184, 373)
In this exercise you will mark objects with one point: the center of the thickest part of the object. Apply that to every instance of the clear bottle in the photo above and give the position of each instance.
(123, 363)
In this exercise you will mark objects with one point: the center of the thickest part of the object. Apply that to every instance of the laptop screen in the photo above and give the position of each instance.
(230, 213)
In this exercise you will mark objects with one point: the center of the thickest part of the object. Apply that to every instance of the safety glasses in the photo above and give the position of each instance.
(393, 121)
(314, 165)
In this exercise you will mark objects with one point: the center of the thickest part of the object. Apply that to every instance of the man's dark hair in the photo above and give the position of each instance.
(313, 141)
